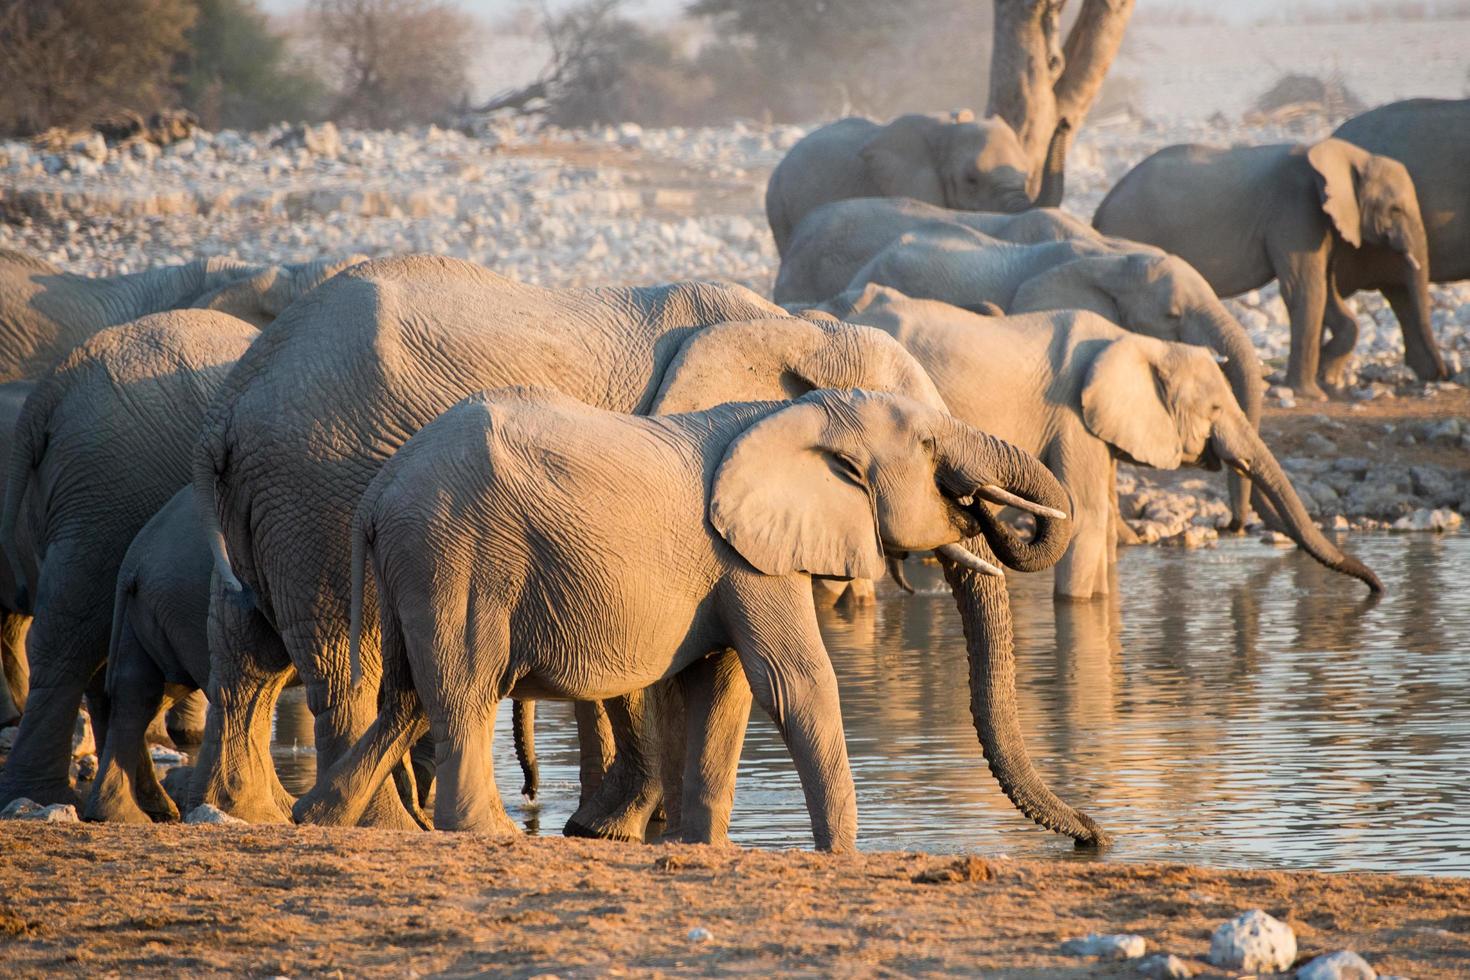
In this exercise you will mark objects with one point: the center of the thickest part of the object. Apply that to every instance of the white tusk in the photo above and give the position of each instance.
(999, 495)
(965, 558)
(1413, 262)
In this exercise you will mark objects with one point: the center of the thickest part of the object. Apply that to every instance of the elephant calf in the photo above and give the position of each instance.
(527, 545)
(1324, 220)
(1079, 392)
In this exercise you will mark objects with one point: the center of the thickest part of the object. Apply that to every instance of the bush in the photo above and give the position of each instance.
(237, 73)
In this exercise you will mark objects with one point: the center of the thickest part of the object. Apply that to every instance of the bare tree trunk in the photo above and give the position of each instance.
(1044, 89)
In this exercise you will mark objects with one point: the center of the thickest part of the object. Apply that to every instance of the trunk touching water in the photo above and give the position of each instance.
(973, 460)
(1240, 448)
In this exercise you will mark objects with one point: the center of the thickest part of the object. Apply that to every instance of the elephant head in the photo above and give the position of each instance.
(864, 477)
(965, 163)
(1371, 202)
(1166, 405)
(259, 298)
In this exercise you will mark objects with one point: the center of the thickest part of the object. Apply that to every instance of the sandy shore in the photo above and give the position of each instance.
(315, 901)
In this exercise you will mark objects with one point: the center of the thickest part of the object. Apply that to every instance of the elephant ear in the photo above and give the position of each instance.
(1335, 166)
(900, 159)
(1123, 403)
(788, 502)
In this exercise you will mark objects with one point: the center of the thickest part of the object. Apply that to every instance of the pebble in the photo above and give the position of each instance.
(1164, 966)
(699, 934)
(208, 813)
(1342, 965)
(164, 756)
(26, 809)
(1106, 946)
(1255, 942)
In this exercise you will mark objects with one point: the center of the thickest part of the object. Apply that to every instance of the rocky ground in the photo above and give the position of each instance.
(273, 901)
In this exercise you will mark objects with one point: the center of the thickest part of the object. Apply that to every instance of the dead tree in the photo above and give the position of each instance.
(1043, 87)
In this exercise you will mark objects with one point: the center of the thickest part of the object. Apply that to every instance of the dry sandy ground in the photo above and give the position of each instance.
(314, 901)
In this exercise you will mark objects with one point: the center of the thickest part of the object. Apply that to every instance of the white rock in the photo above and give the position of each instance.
(164, 756)
(1341, 965)
(1164, 966)
(1255, 942)
(1106, 946)
(1424, 519)
(699, 934)
(25, 809)
(208, 813)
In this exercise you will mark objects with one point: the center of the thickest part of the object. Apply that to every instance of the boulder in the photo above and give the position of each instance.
(1254, 942)
(1106, 946)
(26, 809)
(1341, 965)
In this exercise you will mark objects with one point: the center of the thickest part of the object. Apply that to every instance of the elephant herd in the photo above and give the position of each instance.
(419, 488)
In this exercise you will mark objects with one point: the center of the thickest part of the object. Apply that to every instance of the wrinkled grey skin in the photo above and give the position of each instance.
(1135, 286)
(1079, 392)
(1324, 220)
(159, 653)
(14, 621)
(45, 312)
(489, 589)
(837, 239)
(1431, 138)
(349, 373)
(967, 164)
(101, 444)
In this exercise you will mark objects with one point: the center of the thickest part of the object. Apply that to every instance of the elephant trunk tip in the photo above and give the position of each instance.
(1351, 566)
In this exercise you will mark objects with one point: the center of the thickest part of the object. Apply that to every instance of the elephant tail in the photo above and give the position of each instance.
(361, 547)
(26, 452)
(211, 459)
(127, 586)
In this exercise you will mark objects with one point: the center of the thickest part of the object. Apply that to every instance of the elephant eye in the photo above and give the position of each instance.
(973, 180)
(848, 469)
(928, 443)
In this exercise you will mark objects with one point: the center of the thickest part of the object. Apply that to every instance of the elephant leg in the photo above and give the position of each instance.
(861, 592)
(137, 688)
(421, 760)
(632, 789)
(791, 678)
(248, 669)
(17, 672)
(595, 747)
(717, 708)
(1304, 290)
(1086, 471)
(185, 720)
(1343, 327)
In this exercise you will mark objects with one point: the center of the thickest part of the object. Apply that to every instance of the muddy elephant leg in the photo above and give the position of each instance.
(248, 669)
(137, 695)
(631, 791)
(184, 721)
(1304, 291)
(16, 670)
(595, 747)
(717, 708)
(1343, 326)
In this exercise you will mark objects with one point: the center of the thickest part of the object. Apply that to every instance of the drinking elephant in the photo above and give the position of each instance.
(1080, 392)
(481, 511)
(1431, 138)
(960, 162)
(45, 312)
(101, 444)
(1323, 220)
(1135, 286)
(838, 238)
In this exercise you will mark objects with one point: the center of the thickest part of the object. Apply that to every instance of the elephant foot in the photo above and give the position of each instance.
(251, 805)
(574, 828)
(386, 812)
(1308, 391)
(628, 822)
(112, 801)
(1127, 537)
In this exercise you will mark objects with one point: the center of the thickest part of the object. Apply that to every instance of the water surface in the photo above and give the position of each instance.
(1235, 706)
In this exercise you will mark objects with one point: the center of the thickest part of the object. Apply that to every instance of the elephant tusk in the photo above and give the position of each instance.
(1413, 262)
(1000, 495)
(967, 559)
(895, 570)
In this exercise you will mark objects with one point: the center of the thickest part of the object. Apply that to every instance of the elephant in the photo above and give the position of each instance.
(100, 445)
(1137, 287)
(1080, 392)
(14, 621)
(159, 653)
(333, 387)
(1323, 220)
(838, 238)
(1431, 138)
(960, 162)
(45, 312)
(482, 510)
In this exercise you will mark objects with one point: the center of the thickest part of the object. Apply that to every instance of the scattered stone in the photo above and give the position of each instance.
(164, 756)
(208, 813)
(1342, 965)
(1276, 539)
(322, 141)
(1255, 942)
(965, 869)
(27, 809)
(87, 768)
(1318, 445)
(1164, 966)
(699, 934)
(1440, 519)
(1106, 946)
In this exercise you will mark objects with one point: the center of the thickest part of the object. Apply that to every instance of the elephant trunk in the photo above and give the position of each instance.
(986, 617)
(974, 460)
(1054, 170)
(1420, 348)
(1240, 448)
(27, 446)
(1221, 332)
